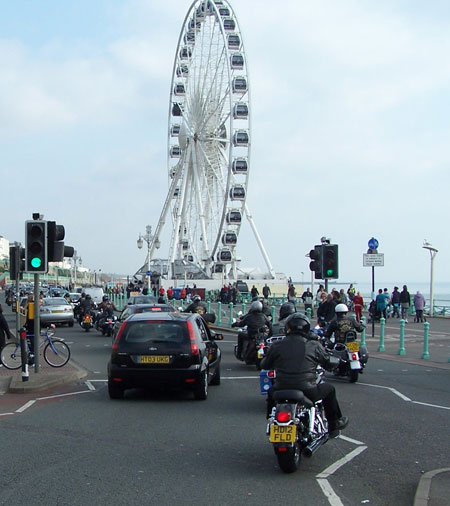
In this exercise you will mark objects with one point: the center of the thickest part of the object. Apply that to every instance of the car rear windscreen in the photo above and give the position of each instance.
(158, 332)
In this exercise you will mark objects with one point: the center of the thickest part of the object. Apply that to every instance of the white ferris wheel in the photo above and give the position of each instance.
(209, 140)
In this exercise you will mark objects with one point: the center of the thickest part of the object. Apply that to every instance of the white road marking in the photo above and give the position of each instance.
(430, 405)
(25, 406)
(341, 462)
(63, 395)
(89, 385)
(330, 494)
(6, 414)
(350, 440)
(239, 377)
(393, 390)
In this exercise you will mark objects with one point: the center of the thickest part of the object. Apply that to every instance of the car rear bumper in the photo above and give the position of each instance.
(154, 378)
(56, 318)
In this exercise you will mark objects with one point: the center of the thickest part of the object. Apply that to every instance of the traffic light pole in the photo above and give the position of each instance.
(37, 323)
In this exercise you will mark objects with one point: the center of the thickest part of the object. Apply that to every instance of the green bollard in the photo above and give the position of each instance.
(219, 310)
(426, 330)
(273, 313)
(209, 306)
(382, 324)
(243, 308)
(308, 313)
(230, 322)
(363, 333)
(401, 350)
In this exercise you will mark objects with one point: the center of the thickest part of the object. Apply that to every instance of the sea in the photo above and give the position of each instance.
(441, 290)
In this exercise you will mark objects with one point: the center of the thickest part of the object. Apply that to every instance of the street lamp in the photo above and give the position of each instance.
(433, 252)
(149, 238)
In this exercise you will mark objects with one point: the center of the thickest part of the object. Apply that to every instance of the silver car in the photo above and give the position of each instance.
(56, 310)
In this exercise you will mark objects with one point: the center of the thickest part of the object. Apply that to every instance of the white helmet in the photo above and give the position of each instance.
(341, 308)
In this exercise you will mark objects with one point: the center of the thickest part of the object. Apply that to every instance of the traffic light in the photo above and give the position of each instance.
(16, 262)
(36, 246)
(55, 244)
(316, 261)
(330, 261)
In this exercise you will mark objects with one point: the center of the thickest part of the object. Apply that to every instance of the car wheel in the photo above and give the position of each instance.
(71, 323)
(216, 378)
(115, 392)
(201, 390)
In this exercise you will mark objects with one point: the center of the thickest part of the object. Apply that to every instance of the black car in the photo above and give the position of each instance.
(141, 299)
(140, 308)
(166, 350)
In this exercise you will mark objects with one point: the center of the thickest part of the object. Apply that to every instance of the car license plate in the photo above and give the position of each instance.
(154, 359)
(353, 346)
(282, 433)
(57, 311)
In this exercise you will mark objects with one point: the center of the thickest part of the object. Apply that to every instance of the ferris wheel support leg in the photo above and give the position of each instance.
(200, 203)
(180, 211)
(258, 240)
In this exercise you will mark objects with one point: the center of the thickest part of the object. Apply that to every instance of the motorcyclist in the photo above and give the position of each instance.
(197, 306)
(87, 305)
(106, 310)
(295, 360)
(265, 308)
(286, 310)
(255, 320)
(341, 324)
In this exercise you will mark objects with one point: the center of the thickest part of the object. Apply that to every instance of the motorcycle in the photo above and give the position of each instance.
(87, 322)
(252, 347)
(353, 357)
(296, 426)
(106, 325)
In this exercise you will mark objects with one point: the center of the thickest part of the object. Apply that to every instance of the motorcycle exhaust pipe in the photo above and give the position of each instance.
(315, 445)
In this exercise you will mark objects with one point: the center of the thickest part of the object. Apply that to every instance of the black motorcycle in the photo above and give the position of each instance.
(352, 356)
(252, 346)
(296, 426)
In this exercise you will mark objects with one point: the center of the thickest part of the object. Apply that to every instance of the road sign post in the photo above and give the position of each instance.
(373, 259)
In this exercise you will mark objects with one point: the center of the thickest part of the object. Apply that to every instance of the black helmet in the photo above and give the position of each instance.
(256, 307)
(196, 298)
(105, 298)
(88, 296)
(298, 323)
(286, 309)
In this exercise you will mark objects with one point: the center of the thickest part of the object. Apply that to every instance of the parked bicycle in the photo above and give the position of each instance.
(56, 352)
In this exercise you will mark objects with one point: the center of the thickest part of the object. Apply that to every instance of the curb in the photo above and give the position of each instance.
(38, 383)
(422, 496)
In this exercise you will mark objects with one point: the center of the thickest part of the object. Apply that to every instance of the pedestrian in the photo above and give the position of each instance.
(343, 297)
(381, 303)
(170, 293)
(326, 308)
(419, 304)
(307, 298)
(395, 301)
(183, 294)
(266, 291)
(291, 294)
(5, 333)
(405, 302)
(351, 292)
(358, 304)
(254, 292)
(388, 302)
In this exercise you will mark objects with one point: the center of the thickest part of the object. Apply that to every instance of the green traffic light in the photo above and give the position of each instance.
(36, 262)
(330, 272)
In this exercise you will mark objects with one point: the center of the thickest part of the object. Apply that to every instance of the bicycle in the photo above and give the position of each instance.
(56, 352)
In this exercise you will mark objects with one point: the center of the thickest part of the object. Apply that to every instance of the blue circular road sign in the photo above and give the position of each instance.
(373, 243)
(149, 273)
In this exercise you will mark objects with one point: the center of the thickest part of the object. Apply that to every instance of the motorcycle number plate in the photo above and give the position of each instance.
(282, 433)
(353, 347)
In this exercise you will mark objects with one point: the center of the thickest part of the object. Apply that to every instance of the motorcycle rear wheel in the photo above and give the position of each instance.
(354, 374)
(289, 461)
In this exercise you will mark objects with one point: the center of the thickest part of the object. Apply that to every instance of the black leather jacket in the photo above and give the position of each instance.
(295, 359)
(339, 327)
(255, 322)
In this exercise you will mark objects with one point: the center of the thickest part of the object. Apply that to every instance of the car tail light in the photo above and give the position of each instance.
(283, 416)
(192, 338)
(115, 346)
(117, 380)
(189, 380)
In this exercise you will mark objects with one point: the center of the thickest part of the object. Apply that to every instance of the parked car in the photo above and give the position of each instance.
(164, 350)
(56, 310)
(140, 308)
(142, 299)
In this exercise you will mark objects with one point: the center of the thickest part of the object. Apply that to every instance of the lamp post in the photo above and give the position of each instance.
(433, 251)
(149, 238)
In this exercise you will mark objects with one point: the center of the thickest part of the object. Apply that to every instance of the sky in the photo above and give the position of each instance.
(350, 128)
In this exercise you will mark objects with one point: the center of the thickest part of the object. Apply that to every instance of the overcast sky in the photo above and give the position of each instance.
(350, 140)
